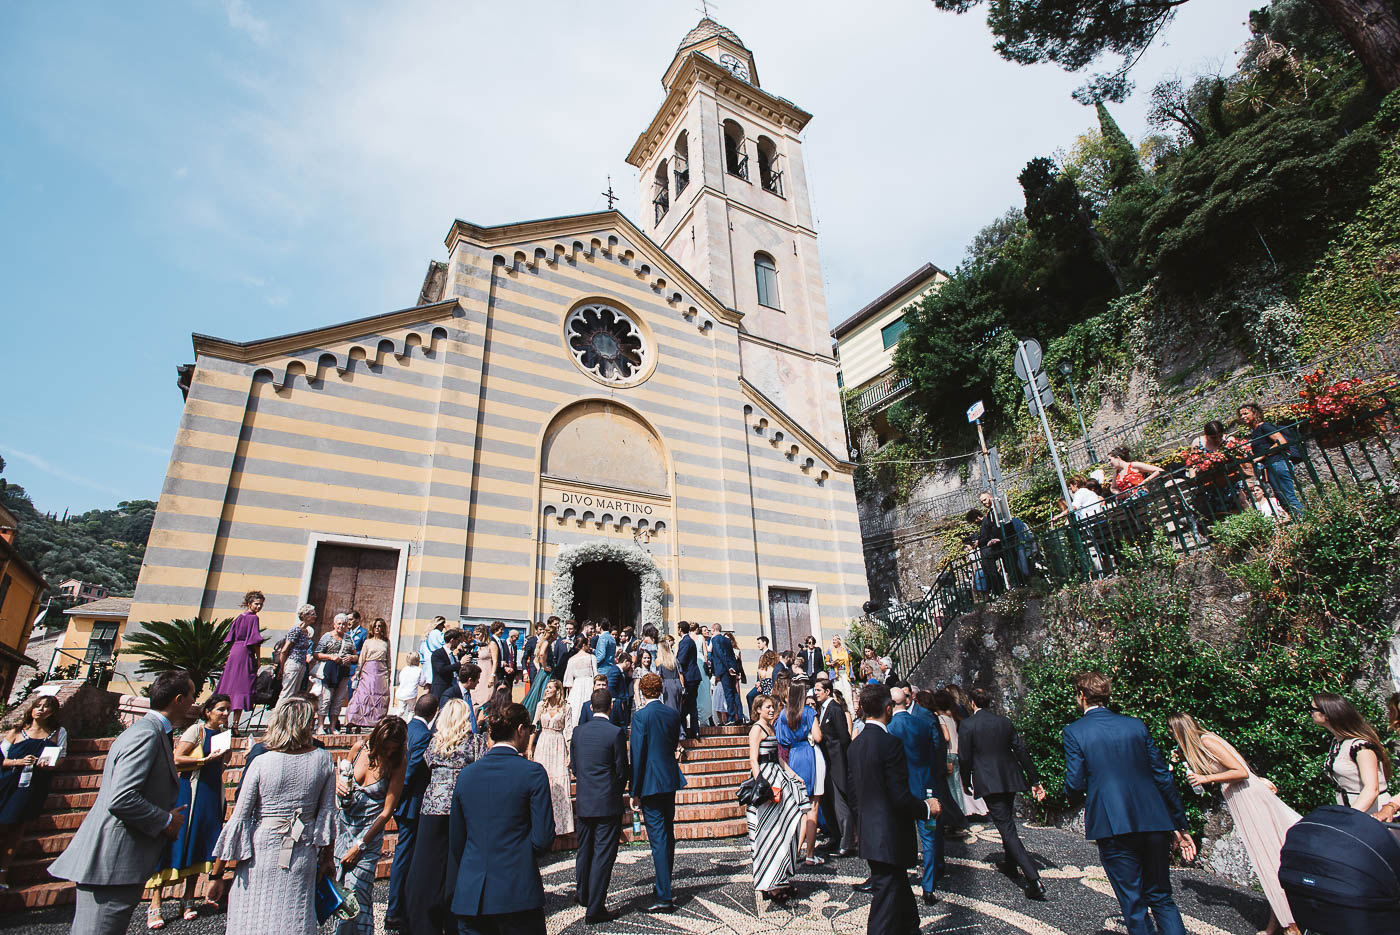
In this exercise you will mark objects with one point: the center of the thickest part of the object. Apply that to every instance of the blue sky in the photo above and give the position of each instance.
(245, 168)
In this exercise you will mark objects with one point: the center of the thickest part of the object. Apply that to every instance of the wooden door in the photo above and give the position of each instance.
(346, 578)
(790, 612)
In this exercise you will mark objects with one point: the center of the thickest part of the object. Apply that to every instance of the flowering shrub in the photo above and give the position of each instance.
(1324, 404)
(569, 557)
(1199, 459)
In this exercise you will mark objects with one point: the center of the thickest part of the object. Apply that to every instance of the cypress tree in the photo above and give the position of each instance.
(1124, 168)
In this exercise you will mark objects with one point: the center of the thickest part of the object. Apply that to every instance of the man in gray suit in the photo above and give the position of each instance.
(120, 840)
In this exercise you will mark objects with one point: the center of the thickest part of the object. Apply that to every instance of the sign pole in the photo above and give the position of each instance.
(974, 415)
(1039, 407)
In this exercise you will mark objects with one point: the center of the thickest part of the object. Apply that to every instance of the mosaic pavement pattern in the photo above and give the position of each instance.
(713, 888)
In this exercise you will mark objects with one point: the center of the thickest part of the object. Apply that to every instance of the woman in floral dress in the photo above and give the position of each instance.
(425, 891)
(367, 792)
(549, 749)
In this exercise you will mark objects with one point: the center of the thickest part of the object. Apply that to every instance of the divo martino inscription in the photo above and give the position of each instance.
(600, 502)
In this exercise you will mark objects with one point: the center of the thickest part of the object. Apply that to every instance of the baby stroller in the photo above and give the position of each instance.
(1341, 871)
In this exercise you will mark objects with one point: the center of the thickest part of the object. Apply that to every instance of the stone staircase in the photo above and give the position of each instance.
(714, 766)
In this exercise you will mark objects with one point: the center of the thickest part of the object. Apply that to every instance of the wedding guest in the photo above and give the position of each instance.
(280, 831)
(688, 660)
(798, 733)
(578, 676)
(763, 683)
(201, 775)
(370, 701)
(552, 660)
(1357, 763)
(549, 748)
(1388, 811)
(244, 638)
(415, 782)
(624, 690)
(121, 838)
(835, 743)
(924, 756)
(451, 748)
(432, 642)
(839, 666)
(813, 659)
(672, 687)
(994, 766)
(1261, 817)
(656, 777)
(586, 714)
(25, 776)
(296, 650)
(599, 761)
(410, 679)
(775, 825)
(333, 655)
(488, 657)
(650, 639)
(604, 649)
(726, 667)
(502, 822)
(367, 792)
(957, 806)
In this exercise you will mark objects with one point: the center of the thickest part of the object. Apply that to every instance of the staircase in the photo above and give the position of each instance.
(706, 808)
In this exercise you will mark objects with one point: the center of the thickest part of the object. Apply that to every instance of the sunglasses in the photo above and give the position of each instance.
(1314, 709)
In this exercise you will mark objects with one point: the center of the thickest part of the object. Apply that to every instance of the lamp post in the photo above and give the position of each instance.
(1067, 370)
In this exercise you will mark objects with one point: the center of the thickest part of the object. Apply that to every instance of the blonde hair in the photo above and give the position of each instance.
(291, 726)
(666, 653)
(454, 725)
(554, 696)
(1187, 734)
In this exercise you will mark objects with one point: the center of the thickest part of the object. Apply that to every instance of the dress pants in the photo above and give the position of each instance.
(593, 866)
(659, 811)
(931, 847)
(1138, 865)
(1001, 809)
(398, 869)
(525, 922)
(838, 797)
(690, 714)
(729, 684)
(105, 910)
(892, 907)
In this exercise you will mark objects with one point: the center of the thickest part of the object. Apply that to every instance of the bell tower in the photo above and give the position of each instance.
(724, 192)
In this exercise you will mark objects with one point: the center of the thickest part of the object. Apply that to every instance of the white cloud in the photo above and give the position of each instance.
(242, 19)
(58, 472)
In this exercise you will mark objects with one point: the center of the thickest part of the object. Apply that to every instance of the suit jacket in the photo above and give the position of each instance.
(444, 666)
(604, 650)
(722, 655)
(836, 741)
(992, 757)
(599, 762)
(814, 661)
(887, 809)
(940, 748)
(502, 822)
(921, 747)
(119, 842)
(527, 652)
(656, 734)
(416, 772)
(1112, 758)
(620, 687)
(687, 660)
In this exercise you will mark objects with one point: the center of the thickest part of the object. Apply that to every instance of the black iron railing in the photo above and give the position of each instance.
(773, 182)
(662, 204)
(682, 180)
(1176, 511)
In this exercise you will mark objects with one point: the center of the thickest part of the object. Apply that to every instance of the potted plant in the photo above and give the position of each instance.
(1338, 412)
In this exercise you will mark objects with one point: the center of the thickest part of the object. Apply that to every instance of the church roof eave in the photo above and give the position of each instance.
(571, 225)
(280, 345)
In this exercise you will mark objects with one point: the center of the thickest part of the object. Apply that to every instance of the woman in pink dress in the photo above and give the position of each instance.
(244, 637)
(1260, 816)
(371, 699)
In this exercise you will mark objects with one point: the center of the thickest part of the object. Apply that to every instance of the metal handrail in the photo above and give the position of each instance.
(879, 392)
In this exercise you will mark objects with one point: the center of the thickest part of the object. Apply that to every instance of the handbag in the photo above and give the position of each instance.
(331, 900)
(754, 791)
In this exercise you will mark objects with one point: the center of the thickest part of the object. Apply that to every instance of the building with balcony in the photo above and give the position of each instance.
(71, 589)
(864, 346)
(93, 635)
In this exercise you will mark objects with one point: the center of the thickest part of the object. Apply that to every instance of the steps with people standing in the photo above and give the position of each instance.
(713, 766)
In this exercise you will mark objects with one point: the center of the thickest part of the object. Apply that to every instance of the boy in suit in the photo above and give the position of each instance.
(656, 776)
(1133, 811)
(599, 761)
(497, 888)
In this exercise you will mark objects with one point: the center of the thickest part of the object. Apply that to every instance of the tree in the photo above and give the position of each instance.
(1058, 215)
(1074, 33)
(194, 645)
(1170, 107)
(1123, 166)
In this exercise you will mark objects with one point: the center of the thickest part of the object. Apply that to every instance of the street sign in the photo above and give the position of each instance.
(975, 411)
(1041, 392)
(1031, 357)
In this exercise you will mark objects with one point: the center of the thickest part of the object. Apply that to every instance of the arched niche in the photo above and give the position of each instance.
(600, 442)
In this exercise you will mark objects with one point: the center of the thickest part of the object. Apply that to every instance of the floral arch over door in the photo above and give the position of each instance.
(569, 557)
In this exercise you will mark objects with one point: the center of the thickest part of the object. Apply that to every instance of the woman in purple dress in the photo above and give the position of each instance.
(244, 637)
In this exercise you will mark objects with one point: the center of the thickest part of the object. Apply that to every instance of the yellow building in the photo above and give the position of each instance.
(579, 417)
(21, 587)
(93, 635)
(865, 345)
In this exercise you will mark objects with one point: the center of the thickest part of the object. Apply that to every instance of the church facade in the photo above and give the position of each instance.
(579, 416)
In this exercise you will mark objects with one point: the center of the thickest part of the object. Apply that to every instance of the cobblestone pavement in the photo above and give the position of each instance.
(714, 891)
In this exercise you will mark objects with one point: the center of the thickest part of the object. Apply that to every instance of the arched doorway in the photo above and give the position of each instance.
(607, 589)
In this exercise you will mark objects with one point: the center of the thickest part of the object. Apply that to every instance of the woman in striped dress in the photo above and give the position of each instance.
(775, 827)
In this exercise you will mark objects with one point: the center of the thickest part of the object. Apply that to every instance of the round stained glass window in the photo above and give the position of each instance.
(607, 344)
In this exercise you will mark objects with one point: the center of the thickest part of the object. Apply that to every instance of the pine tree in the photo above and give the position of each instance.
(1123, 166)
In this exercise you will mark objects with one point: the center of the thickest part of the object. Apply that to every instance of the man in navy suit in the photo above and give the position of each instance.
(923, 749)
(415, 781)
(656, 776)
(887, 812)
(443, 662)
(726, 666)
(1133, 811)
(496, 887)
(599, 761)
(468, 675)
(688, 661)
(585, 712)
(620, 687)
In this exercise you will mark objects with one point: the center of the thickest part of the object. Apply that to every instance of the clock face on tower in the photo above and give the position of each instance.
(735, 65)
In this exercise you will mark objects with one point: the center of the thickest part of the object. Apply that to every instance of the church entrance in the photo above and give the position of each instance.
(607, 589)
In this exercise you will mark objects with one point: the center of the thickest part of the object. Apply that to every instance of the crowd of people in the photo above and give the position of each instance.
(845, 760)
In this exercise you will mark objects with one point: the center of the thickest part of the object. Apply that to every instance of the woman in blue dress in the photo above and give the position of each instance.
(798, 733)
(202, 798)
(24, 777)
(368, 788)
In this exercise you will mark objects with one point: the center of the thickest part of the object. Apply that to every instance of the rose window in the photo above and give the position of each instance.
(606, 343)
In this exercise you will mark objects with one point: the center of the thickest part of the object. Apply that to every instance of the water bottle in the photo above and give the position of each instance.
(930, 824)
(636, 824)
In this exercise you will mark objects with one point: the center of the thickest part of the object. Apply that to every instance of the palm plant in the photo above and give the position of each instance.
(195, 645)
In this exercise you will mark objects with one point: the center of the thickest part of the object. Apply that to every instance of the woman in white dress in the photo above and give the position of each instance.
(1358, 762)
(1260, 816)
(578, 680)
